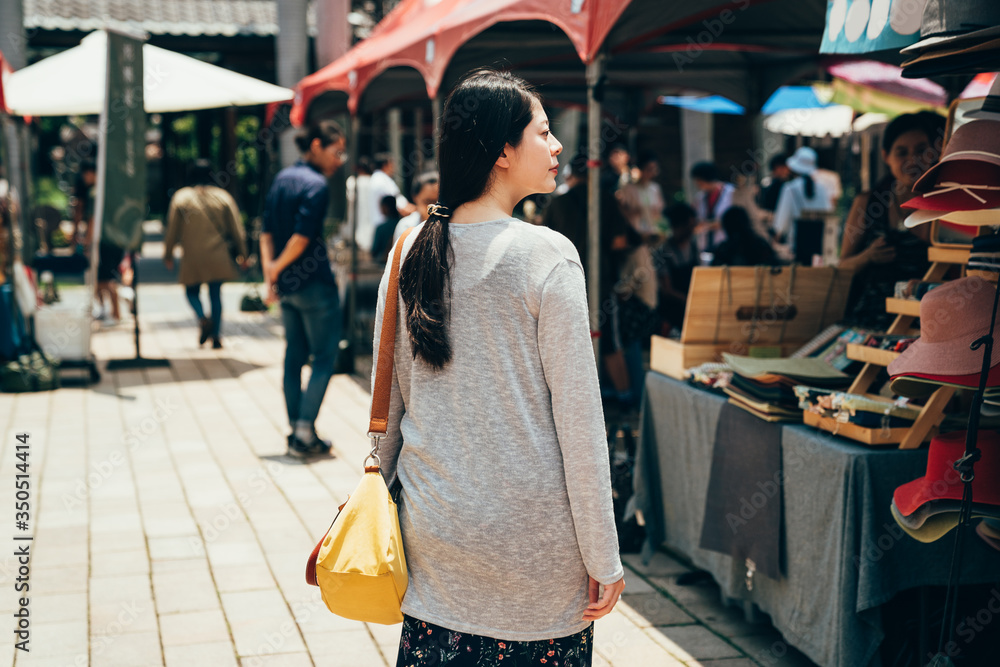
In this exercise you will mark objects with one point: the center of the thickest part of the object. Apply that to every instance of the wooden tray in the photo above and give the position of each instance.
(870, 355)
(948, 255)
(902, 307)
(867, 436)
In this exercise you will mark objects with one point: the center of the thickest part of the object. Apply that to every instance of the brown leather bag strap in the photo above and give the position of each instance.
(387, 347)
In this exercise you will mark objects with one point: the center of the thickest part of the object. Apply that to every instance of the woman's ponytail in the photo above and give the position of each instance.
(810, 186)
(423, 280)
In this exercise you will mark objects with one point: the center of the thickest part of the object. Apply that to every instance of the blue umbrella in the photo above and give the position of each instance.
(792, 97)
(708, 104)
(784, 98)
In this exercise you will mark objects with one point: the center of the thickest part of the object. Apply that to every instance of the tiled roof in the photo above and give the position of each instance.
(160, 17)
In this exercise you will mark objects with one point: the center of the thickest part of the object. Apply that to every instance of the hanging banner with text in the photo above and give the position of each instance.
(122, 163)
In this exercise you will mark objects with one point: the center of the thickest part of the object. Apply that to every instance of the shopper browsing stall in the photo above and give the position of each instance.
(802, 194)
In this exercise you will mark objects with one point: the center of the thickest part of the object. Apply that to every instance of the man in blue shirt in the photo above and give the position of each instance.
(297, 271)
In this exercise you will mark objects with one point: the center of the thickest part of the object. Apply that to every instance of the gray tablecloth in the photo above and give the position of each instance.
(845, 555)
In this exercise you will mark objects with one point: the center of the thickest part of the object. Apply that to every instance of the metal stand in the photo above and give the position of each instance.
(138, 361)
(966, 470)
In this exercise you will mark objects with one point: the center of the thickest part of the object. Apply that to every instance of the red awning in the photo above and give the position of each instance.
(425, 34)
(4, 72)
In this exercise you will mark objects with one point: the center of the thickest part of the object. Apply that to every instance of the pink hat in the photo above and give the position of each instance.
(952, 316)
(961, 185)
(977, 141)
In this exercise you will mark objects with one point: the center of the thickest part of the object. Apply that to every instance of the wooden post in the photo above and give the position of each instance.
(418, 140)
(595, 70)
(436, 124)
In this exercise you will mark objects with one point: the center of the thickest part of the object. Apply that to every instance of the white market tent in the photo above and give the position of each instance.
(72, 82)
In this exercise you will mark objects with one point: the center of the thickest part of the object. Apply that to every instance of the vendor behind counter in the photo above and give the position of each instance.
(876, 244)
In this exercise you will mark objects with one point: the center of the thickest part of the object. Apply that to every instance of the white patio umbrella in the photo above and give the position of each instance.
(834, 121)
(72, 82)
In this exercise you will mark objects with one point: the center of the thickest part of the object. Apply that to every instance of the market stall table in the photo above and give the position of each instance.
(843, 554)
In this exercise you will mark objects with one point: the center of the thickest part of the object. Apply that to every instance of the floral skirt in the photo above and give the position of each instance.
(428, 644)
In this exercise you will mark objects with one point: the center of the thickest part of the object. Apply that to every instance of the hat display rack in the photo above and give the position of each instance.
(962, 38)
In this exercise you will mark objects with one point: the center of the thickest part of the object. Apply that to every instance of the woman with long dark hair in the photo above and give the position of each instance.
(876, 245)
(496, 427)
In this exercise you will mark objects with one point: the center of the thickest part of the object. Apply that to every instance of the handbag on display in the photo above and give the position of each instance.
(359, 564)
(252, 302)
(29, 372)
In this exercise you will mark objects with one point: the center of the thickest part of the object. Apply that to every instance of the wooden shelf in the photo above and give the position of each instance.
(870, 355)
(948, 255)
(906, 307)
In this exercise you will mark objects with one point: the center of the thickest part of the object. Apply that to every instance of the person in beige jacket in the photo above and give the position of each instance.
(205, 221)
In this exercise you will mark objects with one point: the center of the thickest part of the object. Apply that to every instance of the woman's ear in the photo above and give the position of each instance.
(503, 161)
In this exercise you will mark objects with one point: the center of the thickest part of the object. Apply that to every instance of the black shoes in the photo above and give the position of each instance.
(300, 450)
(216, 343)
(205, 331)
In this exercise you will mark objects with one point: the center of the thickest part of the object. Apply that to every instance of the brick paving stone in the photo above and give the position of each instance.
(49, 639)
(387, 639)
(278, 660)
(635, 584)
(62, 607)
(193, 627)
(660, 565)
(67, 660)
(234, 578)
(624, 644)
(349, 647)
(689, 642)
(211, 654)
(646, 609)
(127, 650)
(191, 590)
(137, 615)
(135, 561)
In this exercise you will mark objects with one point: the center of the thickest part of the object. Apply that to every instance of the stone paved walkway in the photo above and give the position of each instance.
(170, 529)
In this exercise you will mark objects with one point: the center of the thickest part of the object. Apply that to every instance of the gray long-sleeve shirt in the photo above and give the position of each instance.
(506, 502)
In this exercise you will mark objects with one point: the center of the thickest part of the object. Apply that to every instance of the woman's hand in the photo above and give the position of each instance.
(879, 252)
(169, 263)
(601, 605)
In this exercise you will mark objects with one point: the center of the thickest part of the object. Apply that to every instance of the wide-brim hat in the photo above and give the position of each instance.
(945, 506)
(946, 23)
(922, 385)
(977, 141)
(933, 527)
(942, 482)
(986, 534)
(952, 316)
(983, 218)
(960, 185)
(803, 161)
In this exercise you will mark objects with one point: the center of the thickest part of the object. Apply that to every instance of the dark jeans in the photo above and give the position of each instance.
(312, 322)
(214, 297)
